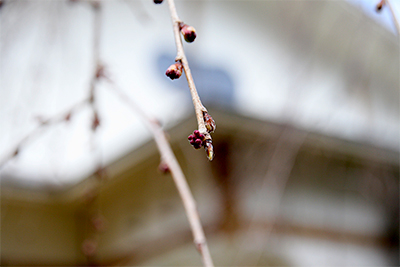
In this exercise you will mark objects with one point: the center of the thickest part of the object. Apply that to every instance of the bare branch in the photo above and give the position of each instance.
(63, 116)
(168, 157)
(200, 110)
(66, 115)
(90, 243)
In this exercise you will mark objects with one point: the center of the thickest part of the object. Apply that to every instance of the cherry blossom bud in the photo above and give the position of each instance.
(188, 32)
(163, 167)
(174, 71)
(196, 139)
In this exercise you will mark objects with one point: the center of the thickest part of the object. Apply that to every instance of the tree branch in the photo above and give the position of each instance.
(181, 57)
(168, 157)
(63, 116)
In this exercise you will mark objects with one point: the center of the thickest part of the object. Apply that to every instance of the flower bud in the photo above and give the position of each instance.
(189, 33)
(174, 71)
(163, 167)
(196, 139)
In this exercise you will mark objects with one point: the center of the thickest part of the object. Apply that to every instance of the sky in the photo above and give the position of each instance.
(384, 16)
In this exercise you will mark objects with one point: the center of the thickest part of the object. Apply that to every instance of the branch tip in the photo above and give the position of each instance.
(380, 5)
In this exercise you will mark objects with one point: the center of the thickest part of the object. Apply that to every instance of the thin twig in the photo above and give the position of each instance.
(93, 227)
(279, 169)
(63, 116)
(180, 56)
(168, 157)
(394, 17)
(97, 72)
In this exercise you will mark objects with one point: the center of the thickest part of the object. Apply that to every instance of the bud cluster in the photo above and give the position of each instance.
(196, 139)
(174, 71)
(188, 32)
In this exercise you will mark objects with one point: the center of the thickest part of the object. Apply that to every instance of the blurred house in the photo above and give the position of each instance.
(306, 100)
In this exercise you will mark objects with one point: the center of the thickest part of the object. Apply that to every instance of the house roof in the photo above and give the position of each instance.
(231, 125)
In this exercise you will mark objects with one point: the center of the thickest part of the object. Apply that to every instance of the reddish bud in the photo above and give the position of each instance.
(158, 1)
(174, 71)
(89, 247)
(95, 122)
(196, 139)
(163, 167)
(99, 223)
(188, 32)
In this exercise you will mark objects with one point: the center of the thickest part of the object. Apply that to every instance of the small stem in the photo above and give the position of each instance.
(395, 20)
(50, 121)
(180, 56)
(167, 155)
(185, 193)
